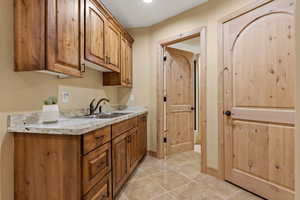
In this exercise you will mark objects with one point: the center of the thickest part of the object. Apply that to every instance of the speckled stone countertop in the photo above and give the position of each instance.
(30, 123)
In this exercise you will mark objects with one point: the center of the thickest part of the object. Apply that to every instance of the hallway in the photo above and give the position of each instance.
(178, 178)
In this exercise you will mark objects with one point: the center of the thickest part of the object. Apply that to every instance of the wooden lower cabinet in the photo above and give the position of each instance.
(133, 150)
(142, 133)
(119, 161)
(101, 191)
(128, 150)
(93, 166)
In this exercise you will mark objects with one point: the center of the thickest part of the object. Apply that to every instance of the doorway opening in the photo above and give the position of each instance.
(181, 105)
(192, 47)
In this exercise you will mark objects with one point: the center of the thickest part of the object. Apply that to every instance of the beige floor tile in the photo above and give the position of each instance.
(170, 179)
(143, 189)
(195, 191)
(243, 195)
(165, 197)
(121, 196)
(189, 170)
(143, 172)
(222, 188)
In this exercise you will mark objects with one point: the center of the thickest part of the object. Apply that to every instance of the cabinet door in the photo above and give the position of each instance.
(113, 45)
(119, 162)
(142, 133)
(133, 150)
(129, 64)
(94, 34)
(123, 62)
(65, 42)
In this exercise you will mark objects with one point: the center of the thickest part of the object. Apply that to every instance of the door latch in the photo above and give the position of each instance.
(227, 113)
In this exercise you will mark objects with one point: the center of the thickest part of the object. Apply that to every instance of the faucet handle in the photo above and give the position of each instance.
(92, 103)
(92, 106)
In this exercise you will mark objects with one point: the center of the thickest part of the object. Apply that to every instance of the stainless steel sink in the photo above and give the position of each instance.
(106, 115)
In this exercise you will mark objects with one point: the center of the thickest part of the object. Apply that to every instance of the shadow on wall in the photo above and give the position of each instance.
(6, 160)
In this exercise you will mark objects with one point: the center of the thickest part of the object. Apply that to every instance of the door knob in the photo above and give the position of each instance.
(227, 113)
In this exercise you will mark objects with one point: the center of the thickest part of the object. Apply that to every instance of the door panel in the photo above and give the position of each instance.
(271, 83)
(132, 150)
(65, 25)
(113, 42)
(94, 34)
(123, 61)
(259, 84)
(119, 161)
(129, 64)
(179, 83)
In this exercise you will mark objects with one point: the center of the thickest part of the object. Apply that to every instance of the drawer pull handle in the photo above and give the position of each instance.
(99, 137)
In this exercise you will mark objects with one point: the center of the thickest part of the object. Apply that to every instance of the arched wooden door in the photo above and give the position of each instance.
(259, 100)
(180, 101)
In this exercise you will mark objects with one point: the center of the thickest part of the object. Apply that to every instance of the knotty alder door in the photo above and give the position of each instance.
(113, 45)
(259, 91)
(179, 119)
(94, 34)
(65, 22)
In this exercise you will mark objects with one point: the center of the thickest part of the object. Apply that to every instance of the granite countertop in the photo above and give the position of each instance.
(30, 123)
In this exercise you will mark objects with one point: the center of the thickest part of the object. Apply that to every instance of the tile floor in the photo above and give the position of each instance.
(178, 178)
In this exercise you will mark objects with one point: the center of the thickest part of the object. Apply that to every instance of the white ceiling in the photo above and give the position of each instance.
(192, 45)
(136, 13)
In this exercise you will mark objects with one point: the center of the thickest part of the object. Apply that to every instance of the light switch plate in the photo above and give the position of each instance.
(65, 97)
(131, 98)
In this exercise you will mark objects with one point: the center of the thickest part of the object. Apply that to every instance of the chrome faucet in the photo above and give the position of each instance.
(94, 108)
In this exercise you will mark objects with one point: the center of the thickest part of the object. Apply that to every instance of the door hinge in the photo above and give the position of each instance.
(165, 140)
(165, 58)
(165, 99)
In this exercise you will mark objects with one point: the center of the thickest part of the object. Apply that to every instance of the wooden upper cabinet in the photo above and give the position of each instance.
(113, 45)
(128, 61)
(123, 74)
(94, 34)
(49, 41)
(124, 78)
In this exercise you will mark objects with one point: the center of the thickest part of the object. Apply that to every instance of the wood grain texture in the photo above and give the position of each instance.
(48, 36)
(132, 150)
(179, 79)
(47, 167)
(124, 78)
(203, 98)
(95, 24)
(112, 47)
(119, 128)
(96, 138)
(142, 134)
(101, 191)
(30, 35)
(64, 28)
(96, 165)
(161, 45)
(258, 67)
(119, 161)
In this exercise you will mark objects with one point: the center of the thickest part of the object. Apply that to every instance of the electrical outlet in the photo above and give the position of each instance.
(65, 97)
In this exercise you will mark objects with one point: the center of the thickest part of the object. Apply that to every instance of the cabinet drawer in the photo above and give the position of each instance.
(118, 129)
(101, 191)
(96, 164)
(96, 138)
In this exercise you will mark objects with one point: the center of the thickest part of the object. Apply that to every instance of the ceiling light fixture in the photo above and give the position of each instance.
(148, 1)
